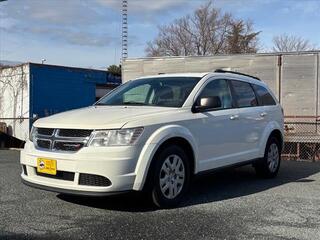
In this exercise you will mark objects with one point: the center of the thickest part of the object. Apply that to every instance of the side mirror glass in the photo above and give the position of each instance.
(207, 103)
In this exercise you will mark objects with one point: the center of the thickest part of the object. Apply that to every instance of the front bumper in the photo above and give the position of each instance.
(71, 192)
(116, 164)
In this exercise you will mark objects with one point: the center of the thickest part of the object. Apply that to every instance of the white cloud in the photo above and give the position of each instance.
(73, 21)
(81, 22)
(52, 12)
(145, 5)
(306, 7)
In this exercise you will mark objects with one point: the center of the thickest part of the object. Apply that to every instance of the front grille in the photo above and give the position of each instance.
(68, 146)
(93, 180)
(74, 133)
(61, 175)
(70, 140)
(43, 143)
(45, 131)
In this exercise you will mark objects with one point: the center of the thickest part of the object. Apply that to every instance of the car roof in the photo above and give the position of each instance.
(160, 75)
(238, 77)
(209, 74)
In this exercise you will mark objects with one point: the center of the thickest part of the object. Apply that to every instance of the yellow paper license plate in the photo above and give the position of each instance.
(48, 166)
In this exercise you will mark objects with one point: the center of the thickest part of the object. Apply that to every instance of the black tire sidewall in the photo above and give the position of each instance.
(157, 196)
(262, 167)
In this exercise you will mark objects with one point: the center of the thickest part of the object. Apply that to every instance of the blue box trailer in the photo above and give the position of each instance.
(41, 90)
(55, 89)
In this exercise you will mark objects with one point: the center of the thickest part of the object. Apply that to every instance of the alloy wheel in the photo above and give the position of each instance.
(172, 176)
(273, 157)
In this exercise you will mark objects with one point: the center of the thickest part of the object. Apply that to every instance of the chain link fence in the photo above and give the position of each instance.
(302, 140)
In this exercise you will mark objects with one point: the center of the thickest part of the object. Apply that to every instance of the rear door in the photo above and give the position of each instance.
(251, 120)
(269, 108)
(265, 99)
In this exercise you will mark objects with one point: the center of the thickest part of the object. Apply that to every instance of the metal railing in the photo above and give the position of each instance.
(302, 140)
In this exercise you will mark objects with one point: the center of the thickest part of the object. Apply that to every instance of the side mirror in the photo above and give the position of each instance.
(207, 103)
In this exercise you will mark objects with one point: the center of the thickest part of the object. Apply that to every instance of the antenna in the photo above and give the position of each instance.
(124, 29)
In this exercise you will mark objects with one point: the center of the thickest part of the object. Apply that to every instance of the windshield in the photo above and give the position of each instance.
(164, 92)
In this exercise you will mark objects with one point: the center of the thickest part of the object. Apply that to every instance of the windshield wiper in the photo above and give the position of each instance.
(124, 103)
(134, 103)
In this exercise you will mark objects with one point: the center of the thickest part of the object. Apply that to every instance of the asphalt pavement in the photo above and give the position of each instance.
(233, 204)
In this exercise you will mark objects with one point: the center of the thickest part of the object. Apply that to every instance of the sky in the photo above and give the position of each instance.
(87, 33)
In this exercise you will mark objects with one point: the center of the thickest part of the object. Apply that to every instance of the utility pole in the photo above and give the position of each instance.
(124, 30)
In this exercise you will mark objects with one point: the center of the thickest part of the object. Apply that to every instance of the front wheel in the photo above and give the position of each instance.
(171, 177)
(269, 165)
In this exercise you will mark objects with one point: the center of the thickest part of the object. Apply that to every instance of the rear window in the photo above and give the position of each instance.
(244, 94)
(264, 97)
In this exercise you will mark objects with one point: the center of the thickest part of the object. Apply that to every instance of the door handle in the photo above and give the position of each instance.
(234, 117)
(263, 114)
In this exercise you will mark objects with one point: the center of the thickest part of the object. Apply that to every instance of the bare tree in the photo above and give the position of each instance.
(241, 38)
(291, 43)
(207, 31)
(13, 80)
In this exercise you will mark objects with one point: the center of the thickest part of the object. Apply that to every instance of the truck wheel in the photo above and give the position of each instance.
(171, 177)
(269, 165)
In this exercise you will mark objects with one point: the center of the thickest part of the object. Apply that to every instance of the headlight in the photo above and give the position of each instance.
(121, 137)
(32, 133)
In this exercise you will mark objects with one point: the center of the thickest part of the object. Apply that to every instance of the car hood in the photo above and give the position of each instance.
(100, 117)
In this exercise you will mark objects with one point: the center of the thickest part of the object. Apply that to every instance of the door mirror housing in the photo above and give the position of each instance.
(207, 103)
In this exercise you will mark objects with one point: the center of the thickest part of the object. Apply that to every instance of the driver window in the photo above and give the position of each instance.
(218, 88)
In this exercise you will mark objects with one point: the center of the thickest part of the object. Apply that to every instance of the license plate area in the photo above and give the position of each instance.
(47, 166)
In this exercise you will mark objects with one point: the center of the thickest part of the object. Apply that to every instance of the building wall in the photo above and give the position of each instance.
(293, 77)
(263, 66)
(299, 85)
(14, 99)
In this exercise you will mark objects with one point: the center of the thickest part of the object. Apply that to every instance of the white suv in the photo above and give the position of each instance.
(155, 133)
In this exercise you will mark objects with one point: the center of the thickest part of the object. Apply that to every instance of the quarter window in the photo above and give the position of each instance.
(244, 94)
(218, 88)
(264, 97)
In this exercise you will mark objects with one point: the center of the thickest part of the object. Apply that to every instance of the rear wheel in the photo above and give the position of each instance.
(269, 165)
(171, 176)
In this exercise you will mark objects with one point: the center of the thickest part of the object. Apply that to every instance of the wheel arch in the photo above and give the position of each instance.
(278, 135)
(161, 138)
(273, 129)
(184, 144)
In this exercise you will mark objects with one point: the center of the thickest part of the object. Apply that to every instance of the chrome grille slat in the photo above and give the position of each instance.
(66, 140)
(73, 133)
(43, 143)
(45, 131)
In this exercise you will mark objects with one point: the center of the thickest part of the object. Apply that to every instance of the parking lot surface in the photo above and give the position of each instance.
(232, 204)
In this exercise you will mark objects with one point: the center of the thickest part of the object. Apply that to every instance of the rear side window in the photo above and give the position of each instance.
(244, 94)
(264, 97)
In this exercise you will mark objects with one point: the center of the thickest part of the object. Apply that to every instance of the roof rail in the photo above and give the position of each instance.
(233, 72)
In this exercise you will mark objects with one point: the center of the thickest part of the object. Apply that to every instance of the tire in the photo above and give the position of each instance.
(268, 166)
(170, 182)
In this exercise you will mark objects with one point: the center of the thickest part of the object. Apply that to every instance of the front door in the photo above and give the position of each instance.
(217, 130)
